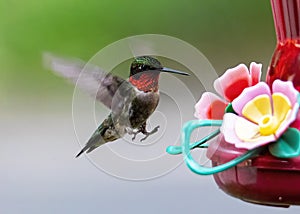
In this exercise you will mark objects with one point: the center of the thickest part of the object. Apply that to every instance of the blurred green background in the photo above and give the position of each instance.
(227, 32)
(38, 171)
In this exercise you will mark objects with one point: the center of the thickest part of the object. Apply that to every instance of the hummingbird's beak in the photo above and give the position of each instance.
(170, 70)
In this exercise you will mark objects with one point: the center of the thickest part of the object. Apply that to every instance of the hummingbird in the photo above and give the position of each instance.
(131, 102)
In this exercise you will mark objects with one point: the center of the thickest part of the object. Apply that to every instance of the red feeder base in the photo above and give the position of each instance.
(265, 180)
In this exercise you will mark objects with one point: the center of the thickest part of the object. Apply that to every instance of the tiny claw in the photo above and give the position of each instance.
(144, 138)
(131, 132)
(147, 134)
(133, 138)
(134, 135)
(155, 129)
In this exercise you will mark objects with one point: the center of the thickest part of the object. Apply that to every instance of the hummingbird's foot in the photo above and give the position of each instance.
(134, 135)
(147, 134)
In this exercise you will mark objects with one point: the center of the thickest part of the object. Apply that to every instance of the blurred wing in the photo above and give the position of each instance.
(90, 78)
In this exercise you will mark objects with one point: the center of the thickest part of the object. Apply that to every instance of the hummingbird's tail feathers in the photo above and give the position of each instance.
(91, 149)
(81, 152)
(95, 81)
(90, 146)
(94, 142)
(99, 137)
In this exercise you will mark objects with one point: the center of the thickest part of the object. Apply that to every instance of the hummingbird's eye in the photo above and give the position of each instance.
(141, 67)
(145, 67)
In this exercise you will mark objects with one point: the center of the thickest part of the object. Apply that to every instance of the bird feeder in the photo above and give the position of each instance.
(255, 154)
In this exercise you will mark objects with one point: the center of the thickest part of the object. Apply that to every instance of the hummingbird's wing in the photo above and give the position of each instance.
(90, 78)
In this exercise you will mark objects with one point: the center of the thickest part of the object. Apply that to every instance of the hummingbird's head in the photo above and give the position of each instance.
(144, 73)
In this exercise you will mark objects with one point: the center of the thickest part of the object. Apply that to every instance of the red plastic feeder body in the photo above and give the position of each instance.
(263, 180)
(266, 179)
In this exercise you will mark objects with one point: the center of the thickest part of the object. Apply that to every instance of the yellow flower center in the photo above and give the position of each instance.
(263, 117)
(268, 125)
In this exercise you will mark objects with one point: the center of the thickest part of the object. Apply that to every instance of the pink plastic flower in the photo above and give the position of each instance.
(229, 86)
(262, 117)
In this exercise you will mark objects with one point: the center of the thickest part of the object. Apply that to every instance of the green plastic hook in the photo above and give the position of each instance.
(175, 150)
(192, 164)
